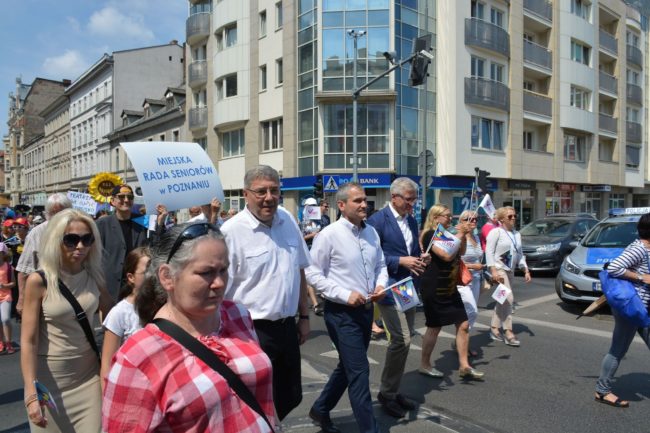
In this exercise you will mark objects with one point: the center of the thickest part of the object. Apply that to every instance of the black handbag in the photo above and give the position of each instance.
(212, 361)
(79, 313)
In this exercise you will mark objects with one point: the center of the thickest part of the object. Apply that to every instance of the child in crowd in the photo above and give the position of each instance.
(123, 321)
(6, 284)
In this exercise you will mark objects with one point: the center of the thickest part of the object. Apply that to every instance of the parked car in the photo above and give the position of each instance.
(547, 241)
(578, 280)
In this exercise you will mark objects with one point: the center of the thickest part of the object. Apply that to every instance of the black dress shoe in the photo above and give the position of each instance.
(323, 421)
(391, 407)
(406, 403)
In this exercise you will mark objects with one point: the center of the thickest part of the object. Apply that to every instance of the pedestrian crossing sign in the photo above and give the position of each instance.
(331, 184)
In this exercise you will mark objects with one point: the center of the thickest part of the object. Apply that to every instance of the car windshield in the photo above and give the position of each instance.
(611, 235)
(547, 227)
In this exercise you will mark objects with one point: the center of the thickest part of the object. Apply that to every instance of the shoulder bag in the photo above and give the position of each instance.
(211, 360)
(79, 313)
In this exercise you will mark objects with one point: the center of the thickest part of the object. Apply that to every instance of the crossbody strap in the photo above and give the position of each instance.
(211, 360)
(79, 313)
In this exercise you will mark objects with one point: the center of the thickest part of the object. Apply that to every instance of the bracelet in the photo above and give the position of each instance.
(31, 399)
(303, 317)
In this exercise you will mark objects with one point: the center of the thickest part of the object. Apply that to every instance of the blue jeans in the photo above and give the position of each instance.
(349, 329)
(621, 339)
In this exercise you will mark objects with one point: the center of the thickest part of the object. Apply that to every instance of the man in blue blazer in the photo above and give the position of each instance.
(398, 232)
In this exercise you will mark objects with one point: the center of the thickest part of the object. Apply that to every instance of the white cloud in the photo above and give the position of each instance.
(68, 65)
(74, 24)
(109, 22)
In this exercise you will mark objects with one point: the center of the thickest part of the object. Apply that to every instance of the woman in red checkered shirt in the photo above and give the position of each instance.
(155, 383)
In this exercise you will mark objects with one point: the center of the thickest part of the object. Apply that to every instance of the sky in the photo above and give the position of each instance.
(60, 39)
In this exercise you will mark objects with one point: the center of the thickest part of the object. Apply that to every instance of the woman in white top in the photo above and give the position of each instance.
(502, 253)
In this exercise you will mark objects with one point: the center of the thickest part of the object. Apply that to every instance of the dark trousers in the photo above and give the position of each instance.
(279, 340)
(349, 329)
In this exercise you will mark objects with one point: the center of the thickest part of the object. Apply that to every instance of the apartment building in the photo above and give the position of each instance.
(115, 83)
(549, 97)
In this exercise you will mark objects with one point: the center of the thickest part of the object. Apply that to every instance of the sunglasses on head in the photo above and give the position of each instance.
(192, 232)
(71, 240)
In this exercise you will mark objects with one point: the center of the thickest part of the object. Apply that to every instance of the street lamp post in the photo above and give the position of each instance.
(355, 34)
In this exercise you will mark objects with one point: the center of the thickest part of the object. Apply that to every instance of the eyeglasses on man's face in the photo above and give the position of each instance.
(262, 192)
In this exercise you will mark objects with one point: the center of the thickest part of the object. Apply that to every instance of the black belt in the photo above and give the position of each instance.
(367, 305)
(283, 321)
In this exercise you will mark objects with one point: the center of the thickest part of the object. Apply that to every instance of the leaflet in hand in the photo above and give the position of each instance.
(501, 293)
(44, 396)
(404, 293)
(444, 240)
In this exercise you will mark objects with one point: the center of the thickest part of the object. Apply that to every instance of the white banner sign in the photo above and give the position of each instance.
(83, 202)
(488, 206)
(311, 213)
(178, 175)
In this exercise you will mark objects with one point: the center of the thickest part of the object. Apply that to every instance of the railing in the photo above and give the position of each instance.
(487, 93)
(197, 73)
(634, 55)
(541, 8)
(633, 132)
(538, 55)
(634, 93)
(608, 42)
(486, 35)
(607, 123)
(537, 104)
(197, 27)
(607, 82)
(198, 118)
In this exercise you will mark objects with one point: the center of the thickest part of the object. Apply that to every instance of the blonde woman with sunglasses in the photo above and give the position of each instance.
(503, 252)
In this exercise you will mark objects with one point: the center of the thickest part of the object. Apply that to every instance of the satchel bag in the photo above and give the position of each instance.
(212, 360)
(623, 297)
(465, 274)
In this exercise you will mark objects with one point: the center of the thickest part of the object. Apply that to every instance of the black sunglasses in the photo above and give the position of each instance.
(192, 232)
(71, 240)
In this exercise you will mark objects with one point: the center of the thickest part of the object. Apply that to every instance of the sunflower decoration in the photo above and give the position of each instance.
(101, 186)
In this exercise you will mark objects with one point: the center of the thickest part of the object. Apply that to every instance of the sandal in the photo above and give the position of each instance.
(318, 309)
(600, 398)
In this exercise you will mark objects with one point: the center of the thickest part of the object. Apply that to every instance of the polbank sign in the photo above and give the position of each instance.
(370, 180)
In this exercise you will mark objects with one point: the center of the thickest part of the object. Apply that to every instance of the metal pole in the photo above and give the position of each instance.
(355, 99)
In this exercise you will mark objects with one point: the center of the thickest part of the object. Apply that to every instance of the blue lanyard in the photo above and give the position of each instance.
(513, 239)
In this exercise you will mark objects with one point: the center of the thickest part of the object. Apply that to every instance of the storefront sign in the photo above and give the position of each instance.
(521, 184)
(565, 187)
(596, 188)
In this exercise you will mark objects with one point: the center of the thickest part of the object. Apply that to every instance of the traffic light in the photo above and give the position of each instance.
(420, 63)
(482, 180)
(318, 186)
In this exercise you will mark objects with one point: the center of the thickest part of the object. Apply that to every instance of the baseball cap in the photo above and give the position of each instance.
(311, 202)
(21, 221)
(122, 189)
(8, 223)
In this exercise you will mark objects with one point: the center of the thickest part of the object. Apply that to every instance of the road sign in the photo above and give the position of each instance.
(331, 183)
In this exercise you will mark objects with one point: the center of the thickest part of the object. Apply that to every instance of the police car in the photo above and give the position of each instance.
(578, 278)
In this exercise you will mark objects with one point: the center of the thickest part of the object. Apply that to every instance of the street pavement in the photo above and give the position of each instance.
(546, 385)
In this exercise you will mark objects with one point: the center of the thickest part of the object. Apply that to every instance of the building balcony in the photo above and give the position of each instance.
(633, 132)
(482, 34)
(608, 42)
(607, 123)
(487, 93)
(634, 94)
(541, 9)
(197, 27)
(607, 82)
(538, 56)
(537, 104)
(197, 73)
(198, 118)
(634, 55)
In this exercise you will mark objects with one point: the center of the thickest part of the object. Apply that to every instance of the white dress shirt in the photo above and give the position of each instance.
(346, 258)
(403, 224)
(265, 264)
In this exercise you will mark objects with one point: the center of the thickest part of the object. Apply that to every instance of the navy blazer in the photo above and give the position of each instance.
(393, 244)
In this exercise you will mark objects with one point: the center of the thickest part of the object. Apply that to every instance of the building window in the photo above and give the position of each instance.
(632, 38)
(632, 76)
(496, 17)
(529, 85)
(227, 36)
(278, 71)
(232, 143)
(176, 135)
(487, 133)
(580, 53)
(162, 137)
(278, 15)
(263, 77)
(203, 142)
(477, 9)
(632, 114)
(581, 8)
(606, 151)
(632, 156)
(272, 135)
(262, 24)
(227, 86)
(528, 140)
(580, 98)
(616, 200)
(574, 147)
(477, 67)
(496, 72)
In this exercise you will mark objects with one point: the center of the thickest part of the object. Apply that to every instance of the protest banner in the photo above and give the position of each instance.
(177, 175)
(83, 202)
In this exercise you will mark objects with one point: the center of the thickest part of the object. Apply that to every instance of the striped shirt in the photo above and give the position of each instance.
(633, 258)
